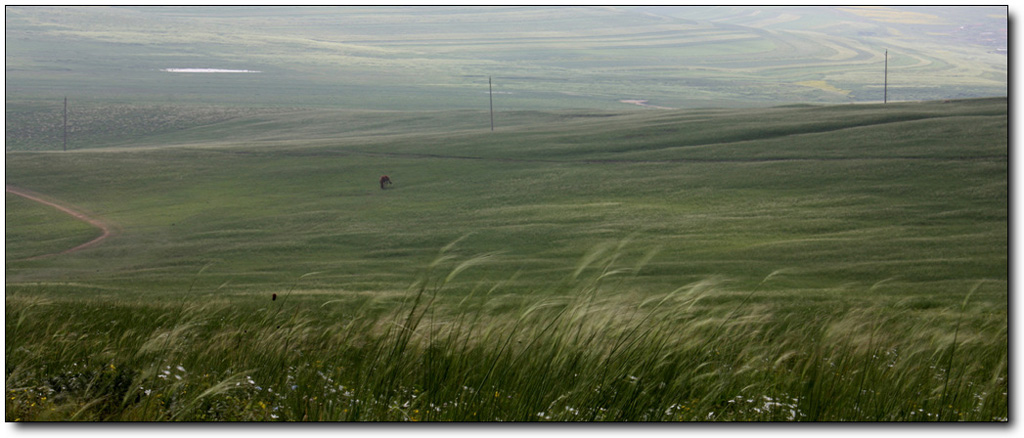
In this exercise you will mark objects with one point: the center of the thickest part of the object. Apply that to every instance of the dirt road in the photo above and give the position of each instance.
(107, 229)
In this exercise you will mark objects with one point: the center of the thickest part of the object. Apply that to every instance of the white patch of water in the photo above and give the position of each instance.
(207, 70)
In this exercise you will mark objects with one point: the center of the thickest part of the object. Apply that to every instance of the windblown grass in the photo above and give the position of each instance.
(851, 266)
(586, 351)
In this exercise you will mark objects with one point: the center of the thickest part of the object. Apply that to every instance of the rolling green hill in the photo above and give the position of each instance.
(739, 193)
(793, 237)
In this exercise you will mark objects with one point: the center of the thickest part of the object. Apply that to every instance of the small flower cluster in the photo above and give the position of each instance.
(768, 406)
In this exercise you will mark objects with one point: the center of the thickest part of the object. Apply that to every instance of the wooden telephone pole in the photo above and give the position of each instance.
(490, 93)
(65, 123)
(885, 89)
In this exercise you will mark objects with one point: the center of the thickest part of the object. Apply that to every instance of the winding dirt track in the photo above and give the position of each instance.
(107, 229)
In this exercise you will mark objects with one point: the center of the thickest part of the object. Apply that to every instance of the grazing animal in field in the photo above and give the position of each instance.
(384, 180)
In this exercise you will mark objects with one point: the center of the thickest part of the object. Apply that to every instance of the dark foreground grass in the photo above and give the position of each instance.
(582, 352)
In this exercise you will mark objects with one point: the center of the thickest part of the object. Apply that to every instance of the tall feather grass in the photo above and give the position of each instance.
(590, 349)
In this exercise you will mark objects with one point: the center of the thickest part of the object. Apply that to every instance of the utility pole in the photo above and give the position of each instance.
(885, 89)
(490, 93)
(65, 123)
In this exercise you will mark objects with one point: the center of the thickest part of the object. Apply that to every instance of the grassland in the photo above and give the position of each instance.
(732, 259)
(801, 263)
(539, 58)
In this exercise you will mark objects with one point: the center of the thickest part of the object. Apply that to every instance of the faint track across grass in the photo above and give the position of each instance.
(107, 230)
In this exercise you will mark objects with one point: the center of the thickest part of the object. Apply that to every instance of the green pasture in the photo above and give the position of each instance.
(45, 230)
(616, 246)
(831, 191)
(754, 253)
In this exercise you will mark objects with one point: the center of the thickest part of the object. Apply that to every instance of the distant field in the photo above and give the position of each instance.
(801, 242)
(896, 16)
(539, 58)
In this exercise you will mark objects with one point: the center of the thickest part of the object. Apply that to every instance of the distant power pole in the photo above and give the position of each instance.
(490, 94)
(885, 89)
(65, 123)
